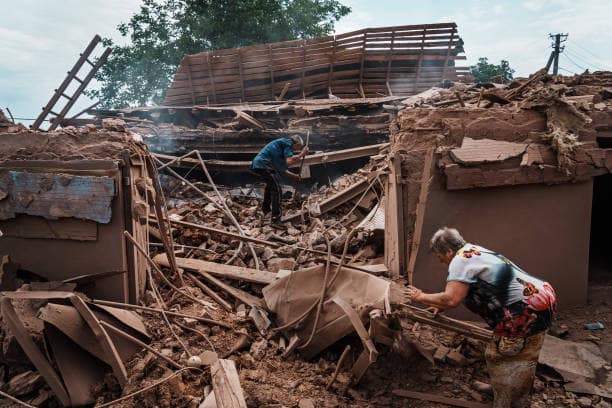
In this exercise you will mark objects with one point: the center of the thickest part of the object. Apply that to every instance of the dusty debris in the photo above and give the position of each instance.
(309, 316)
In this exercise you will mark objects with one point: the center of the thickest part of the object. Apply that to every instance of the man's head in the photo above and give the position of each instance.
(298, 143)
(445, 243)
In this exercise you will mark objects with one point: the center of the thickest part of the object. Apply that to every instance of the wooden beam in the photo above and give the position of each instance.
(220, 270)
(271, 68)
(332, 62)
(363, 52)
(214, 295)
(455, 402)
(389, 60)
(420, 213)
(168, 312)
(226, 385)
(420, 61)
(188, 67)
(241, 74)
(450, 44)
(335, 200)
(211, 76)
(310, 160)
(239, 294)
(395, 249)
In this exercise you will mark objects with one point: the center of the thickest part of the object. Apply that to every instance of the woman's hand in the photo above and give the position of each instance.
(413, 293)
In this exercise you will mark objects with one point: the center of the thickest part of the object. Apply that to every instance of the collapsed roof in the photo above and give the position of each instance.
(397, 60)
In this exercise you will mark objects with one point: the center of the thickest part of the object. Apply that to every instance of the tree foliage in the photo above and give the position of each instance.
(485, 72)
(164, 30)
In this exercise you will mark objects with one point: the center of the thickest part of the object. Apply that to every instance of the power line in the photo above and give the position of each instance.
(584, 60)
(596, 57)
(567, 70)
(574, 62)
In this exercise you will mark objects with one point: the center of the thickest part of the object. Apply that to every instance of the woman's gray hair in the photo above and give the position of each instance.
(446, 239)
(297, 140)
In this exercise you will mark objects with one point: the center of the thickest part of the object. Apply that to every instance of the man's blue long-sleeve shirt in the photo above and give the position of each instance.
(273, 156)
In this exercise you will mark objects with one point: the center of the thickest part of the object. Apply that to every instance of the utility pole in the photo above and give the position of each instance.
(557, 49)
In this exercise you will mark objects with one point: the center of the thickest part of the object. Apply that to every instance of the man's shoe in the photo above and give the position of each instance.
(278, 224)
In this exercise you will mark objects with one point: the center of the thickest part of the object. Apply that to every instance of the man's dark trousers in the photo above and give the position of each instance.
(272, 193)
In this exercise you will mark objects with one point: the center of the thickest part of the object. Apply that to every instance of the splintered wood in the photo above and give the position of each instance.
(226, 385)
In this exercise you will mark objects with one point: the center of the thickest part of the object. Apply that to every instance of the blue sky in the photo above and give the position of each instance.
(41, 39)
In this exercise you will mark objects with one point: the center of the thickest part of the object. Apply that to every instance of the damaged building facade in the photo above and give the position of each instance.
(67, 198)
(514, 169)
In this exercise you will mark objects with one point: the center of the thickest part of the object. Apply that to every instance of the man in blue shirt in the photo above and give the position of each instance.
(273, 160)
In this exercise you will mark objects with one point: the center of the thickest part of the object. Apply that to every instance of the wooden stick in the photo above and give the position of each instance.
(420, 315)
(141, 344)
(168, 312)
(338, 365)
(420, 213)
(154, 266)
(15, 400)
(222, 302)
(438, 398)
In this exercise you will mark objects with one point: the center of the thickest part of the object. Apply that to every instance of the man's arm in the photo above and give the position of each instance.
(453, 295)
(296, 158)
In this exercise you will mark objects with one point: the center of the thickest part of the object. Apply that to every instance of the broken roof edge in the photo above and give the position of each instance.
(399, 28)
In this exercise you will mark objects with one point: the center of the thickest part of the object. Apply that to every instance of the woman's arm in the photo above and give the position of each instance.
(453, 295)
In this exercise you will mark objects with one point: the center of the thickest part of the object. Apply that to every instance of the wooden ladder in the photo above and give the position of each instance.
(72, 76)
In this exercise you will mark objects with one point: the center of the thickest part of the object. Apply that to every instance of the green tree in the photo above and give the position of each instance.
(485, 72)
(164, 30)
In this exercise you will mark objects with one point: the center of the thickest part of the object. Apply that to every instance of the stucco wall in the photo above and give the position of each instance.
(544, 229)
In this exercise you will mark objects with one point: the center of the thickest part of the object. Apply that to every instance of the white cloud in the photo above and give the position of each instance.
(534, 5)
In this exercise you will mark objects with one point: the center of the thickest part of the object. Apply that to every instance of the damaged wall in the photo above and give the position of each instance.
(67, 197)
(534, 146)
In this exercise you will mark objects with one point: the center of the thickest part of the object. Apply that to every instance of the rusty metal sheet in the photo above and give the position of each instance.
(80, 371)
(54, 196)
(291, 296)
(37, 358)
(105, 342)
(126, 317)
(68, 320)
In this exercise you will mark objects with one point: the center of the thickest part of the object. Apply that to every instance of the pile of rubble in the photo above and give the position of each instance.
(242, 129)
(236, 313)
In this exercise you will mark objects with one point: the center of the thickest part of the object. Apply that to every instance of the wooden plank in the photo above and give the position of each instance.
(214, 295)
(54, 196)
(394, 237)
(220, 270)
(241, 74)
(455, 402)
(271, 69)
(239, 294)
(212, 78)
(420, 213)
(226, 385)
(188, 67)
